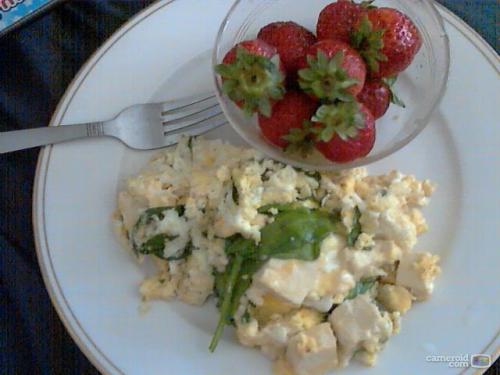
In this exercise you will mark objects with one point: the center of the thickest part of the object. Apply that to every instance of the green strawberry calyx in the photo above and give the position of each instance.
(300, 140)
(325, 78)
(253, 81)
(395, 99)
(368, 4)
(369, 43)
(342, 119)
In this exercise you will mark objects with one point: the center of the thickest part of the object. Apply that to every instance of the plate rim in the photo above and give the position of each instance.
(71, 323)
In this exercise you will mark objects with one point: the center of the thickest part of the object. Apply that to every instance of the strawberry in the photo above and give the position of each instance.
(337, 20)
(388, 41)
(332, 70)
(376, 96)
(287, 114)
(344, 131)
(253, 76)
(254, 47)
(292, 42)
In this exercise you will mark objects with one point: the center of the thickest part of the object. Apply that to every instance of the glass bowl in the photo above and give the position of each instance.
(421, 86)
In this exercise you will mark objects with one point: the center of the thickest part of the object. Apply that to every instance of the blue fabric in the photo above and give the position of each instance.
(37, 62)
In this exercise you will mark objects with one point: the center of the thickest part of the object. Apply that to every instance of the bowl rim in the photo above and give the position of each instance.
(423, 122)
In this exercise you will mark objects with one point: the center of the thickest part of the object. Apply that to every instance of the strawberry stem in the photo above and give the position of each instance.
(343, 119)
(252, 81)
(300, 140)
(369, 43)
(325, 78)
(390, 82)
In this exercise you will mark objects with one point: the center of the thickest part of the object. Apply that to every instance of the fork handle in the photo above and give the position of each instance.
(23, 139)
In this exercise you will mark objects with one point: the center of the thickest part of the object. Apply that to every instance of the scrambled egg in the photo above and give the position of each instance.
(308, 316)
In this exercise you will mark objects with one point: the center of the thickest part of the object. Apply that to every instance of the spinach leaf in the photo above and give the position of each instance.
(188, 250)
(229, 288)
(148, 215)
(313, 174)
(316, 175)
(227, 296)
(297, 234)
(239, 245)
(245, 318)
(265, 176)
(248, 269)
(159, 212)
(235, 194)
(220, 284)
(361, 287)
(156, 244)
(180, 210)
(353, 235)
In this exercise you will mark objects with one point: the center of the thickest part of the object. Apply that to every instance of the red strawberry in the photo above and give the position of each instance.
(292, 42)
(287, 114)
(253, 76)
(376, 96)
(332, 70)
(388, 41)
(345, 131)
(337, 20)
(254, 47)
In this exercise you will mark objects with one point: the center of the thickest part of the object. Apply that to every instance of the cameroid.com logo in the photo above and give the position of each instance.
(480, 361)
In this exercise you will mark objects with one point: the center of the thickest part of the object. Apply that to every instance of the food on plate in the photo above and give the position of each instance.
(287, 114)
(253, 75)
(292, 42)
(314, 269)
(388, 40)
(356, 57)
(332, 70)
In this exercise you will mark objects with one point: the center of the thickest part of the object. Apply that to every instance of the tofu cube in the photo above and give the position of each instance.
(313, 351)
(358, 324)
(417, 272)
(291, 280)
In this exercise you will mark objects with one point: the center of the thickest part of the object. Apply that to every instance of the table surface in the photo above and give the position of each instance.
(37, 63)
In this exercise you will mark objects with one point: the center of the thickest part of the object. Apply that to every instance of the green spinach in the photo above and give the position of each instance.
(155, 244)
(361, 287)
(297, 234)
(233, 270)
(353, 235)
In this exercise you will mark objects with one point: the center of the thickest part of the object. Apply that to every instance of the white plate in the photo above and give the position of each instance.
(93, 283)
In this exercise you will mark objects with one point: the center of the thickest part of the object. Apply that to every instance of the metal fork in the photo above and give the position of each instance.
(141, 127)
